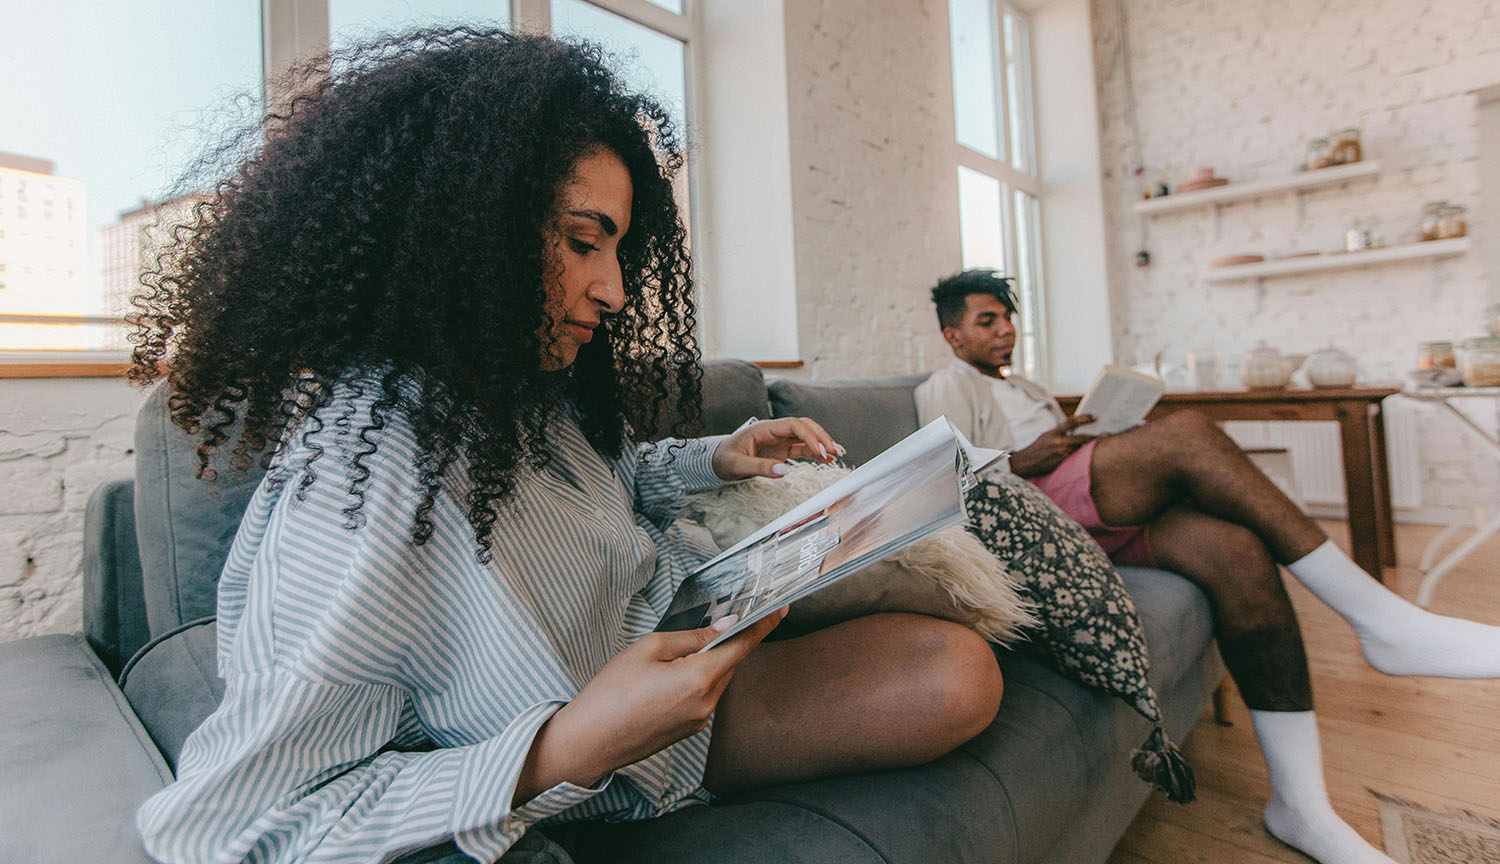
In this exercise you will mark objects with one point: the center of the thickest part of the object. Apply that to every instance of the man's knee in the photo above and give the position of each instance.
(1191, 426)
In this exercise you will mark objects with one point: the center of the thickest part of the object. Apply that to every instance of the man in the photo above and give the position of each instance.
(1178, 493)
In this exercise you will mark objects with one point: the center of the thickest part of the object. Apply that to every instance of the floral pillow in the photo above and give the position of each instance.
(1090, 630)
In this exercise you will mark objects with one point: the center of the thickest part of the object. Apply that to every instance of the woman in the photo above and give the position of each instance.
(435, 300)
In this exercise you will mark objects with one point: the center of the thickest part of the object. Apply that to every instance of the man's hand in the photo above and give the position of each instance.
(1047, 452)
(762, 448)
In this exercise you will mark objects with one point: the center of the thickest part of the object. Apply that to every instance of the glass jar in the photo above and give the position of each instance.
(1453, 221)
(1482, 362)
(1432, 355)
(1432, 215)
(1345, 148)
(1319, 154)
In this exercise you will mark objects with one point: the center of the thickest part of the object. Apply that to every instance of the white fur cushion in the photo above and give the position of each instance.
(948, 575)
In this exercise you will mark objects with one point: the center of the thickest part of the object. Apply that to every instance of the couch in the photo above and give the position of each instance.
(91, 723)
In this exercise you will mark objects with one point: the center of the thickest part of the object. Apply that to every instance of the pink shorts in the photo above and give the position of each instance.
(1069, 487)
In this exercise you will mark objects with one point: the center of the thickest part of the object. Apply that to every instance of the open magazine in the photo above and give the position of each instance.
(911, 490)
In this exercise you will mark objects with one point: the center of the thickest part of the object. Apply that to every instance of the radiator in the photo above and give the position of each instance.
(1318, 465)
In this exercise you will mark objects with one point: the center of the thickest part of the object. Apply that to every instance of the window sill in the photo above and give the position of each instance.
(63, 364)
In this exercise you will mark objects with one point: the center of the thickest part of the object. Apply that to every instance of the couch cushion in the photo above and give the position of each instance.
(184, 525)
(733, 391)
(114, 604)
(173, 684)
(865, 415)
(74, 760)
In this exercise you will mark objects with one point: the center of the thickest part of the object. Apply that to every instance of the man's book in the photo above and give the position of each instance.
(910, 491)
(1119, 399)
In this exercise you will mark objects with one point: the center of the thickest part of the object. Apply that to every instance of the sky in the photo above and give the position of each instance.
(122, 95)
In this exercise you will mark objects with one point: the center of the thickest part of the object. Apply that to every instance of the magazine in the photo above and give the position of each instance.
(911, 490)
(1119, 398)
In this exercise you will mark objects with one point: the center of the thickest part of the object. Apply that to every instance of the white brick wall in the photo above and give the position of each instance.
(1241, 86)
(874, 183)
(59, 438)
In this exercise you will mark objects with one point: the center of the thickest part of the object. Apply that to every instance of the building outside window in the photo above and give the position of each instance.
(89, 174)
(998, 182)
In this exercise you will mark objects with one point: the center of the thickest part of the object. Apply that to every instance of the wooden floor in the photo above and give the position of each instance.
(1434, 741)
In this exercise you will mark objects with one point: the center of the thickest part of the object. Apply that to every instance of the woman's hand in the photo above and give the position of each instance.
(762, 448)
(657, 691)
(1047, 452)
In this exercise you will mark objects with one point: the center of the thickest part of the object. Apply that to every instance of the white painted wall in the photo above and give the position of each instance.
(1079, 308)
(748, 283)
(59, 438)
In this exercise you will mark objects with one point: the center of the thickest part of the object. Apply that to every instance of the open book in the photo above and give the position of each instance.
(911, 490)
(1119, 398)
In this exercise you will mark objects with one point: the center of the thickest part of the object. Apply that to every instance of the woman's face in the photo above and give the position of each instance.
(593, 214)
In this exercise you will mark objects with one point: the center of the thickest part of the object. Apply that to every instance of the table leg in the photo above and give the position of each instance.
(1385, 521)
(1359, 487)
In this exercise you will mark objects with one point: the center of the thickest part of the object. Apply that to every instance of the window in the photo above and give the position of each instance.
(998, 188)
(353, 21)
(108, 117)
(115, 107)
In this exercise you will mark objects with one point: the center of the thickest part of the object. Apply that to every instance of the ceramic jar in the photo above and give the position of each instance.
(1265, 368)
(1331, 368)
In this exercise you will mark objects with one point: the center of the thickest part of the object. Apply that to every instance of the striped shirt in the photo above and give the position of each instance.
(381, 697)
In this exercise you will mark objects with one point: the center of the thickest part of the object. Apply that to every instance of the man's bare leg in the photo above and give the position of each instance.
(1261, 645)
(881, 691)
(1184, 458)
(1140, 473)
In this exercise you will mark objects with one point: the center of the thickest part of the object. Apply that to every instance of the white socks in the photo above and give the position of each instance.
(1397, 637)
(1299, 813)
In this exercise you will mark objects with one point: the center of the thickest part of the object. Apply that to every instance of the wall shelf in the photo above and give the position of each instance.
(1340, 261)
(1256, 188)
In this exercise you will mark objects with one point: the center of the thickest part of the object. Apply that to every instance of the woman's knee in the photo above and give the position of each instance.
(961, 679)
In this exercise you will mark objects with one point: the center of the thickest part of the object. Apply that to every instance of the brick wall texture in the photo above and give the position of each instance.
(59, 438)
(1241, 87)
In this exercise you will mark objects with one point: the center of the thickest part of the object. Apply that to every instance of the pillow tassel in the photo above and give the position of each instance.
(1161, 764)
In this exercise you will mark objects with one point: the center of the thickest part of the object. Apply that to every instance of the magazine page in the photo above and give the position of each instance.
(1119, 398)
(906, 493)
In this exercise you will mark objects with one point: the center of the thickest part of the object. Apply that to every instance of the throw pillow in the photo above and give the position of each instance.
(1090, 629)
(948, 575)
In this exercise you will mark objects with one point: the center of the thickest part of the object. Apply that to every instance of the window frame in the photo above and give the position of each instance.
(1012, 180)
(293, 29)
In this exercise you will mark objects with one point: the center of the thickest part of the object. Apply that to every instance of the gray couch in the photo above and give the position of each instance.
(91, 724)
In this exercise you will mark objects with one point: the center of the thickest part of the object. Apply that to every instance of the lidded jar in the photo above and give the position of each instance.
(1482, 362)
(1345, 148)
(1331, 368)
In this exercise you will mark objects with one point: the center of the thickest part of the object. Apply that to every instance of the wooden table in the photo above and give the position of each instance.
(1357, 410)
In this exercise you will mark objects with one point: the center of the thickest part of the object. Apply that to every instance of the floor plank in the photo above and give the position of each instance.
(1434, 741)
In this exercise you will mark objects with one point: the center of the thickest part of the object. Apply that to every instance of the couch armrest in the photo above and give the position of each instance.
(75, 760)
(114, 600)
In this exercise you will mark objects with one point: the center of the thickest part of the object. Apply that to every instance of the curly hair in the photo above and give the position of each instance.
(395, 216)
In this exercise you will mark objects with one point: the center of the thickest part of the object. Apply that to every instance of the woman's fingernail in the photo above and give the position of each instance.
(725, 623)
(839, 449)
(779, 469)
(824, 451)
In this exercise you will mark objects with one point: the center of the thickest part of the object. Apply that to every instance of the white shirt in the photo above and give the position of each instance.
(1028, 416)
(986, 409)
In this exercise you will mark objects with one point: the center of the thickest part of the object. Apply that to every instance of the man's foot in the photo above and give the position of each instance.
(1428, 644)
(1319, 833)
(1398, 637)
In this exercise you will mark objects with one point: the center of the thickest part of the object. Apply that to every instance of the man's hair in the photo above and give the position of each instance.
(951, 294)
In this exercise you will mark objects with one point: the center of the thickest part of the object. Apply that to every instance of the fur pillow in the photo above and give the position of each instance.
(948, 575)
